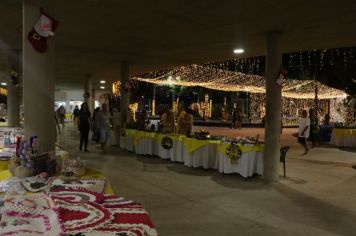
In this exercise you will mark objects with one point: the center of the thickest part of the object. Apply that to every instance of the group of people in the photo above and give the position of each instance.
(237, 115)
(184, 124)
(100, 123)
(308, 129)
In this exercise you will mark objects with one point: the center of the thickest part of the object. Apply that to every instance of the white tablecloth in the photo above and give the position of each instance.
(249, 164)
(145, 146)
(205, 157)
(164, 153)
(126, 142)
(177, 155)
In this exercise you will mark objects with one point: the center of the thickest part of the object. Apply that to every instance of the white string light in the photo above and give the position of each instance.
(223, 80)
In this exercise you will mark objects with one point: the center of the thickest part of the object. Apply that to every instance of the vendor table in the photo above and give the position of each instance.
(250, 162)
(343, 137)
(208, 154)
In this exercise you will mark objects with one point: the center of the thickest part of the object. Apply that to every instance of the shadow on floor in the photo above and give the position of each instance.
(236, 181)
(183, 170)
(348, 149)
(325, 216)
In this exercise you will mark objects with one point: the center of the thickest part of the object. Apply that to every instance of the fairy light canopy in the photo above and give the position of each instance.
(231, 81)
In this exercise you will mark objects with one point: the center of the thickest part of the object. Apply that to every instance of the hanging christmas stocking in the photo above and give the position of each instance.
(44, 28)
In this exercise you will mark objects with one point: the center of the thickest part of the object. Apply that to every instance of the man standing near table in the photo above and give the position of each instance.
(304, 130)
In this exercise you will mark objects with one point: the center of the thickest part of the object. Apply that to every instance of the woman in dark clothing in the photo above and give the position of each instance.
(84, 125)
(313, 127)
(94, 125)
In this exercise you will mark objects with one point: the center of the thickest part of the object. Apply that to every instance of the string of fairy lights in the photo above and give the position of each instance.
(3, 91)
(218, 79)
(291, 108)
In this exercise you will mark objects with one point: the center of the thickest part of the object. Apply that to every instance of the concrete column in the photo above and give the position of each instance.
(273, 108)
(38, 80)
(125, 95)
(88, 88)
(14, 92)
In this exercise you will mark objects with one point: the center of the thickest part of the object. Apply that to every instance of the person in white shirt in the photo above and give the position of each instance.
(104, 123)
(304, 130)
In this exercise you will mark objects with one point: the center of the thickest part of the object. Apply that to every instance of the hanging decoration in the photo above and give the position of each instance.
(167, 143)
(43, 29)
(233, 152)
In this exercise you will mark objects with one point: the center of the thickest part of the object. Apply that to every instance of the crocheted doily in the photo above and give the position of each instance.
(76, 195)
(95, 185)
(80, 217)
(28, 216)
(36, 184)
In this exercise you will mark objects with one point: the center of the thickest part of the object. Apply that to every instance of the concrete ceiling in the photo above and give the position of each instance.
(95, 35)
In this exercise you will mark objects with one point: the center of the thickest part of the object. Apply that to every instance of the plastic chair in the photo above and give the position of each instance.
(282, 158)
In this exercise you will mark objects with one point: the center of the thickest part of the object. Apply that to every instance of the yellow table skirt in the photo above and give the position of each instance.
(4, 165)
(191, 144)
(244, 148)
(91, 173)
(344, 132)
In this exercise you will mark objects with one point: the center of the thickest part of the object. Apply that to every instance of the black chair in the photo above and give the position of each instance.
(282, 158)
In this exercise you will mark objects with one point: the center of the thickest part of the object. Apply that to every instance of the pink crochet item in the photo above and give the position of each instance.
(31, 215)
(80, 217)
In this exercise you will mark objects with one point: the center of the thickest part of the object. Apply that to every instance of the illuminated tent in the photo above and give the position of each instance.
(217, 79)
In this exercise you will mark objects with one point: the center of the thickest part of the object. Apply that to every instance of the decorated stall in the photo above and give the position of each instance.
(49, 194)
(243, 156)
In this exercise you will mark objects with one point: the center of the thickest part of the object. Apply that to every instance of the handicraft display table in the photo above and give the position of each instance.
(208, 154)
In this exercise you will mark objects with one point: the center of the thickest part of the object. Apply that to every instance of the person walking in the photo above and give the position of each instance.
(104, 122)
(313, 127)
(75, 116)
(95, 124)
(84, 125)
(303, 131)
(61, 112)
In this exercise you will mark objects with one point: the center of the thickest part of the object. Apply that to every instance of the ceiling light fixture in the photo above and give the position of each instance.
(102, 87)
(238, 51)
(3, 83)
(102, 81)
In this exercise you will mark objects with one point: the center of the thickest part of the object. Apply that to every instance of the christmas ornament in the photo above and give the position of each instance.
(44, 28)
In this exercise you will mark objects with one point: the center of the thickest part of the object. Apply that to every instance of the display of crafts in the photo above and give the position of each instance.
(64, 210)
(9, 136)
(73, 168)
(201, 134)
(247, 140)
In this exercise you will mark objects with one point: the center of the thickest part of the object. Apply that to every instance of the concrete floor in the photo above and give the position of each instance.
(316, 197)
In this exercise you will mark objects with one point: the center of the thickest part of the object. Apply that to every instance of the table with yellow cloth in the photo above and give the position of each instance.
(343, 137)
(4, 165)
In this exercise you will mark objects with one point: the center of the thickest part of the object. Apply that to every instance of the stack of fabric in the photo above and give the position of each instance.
(68, 210)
